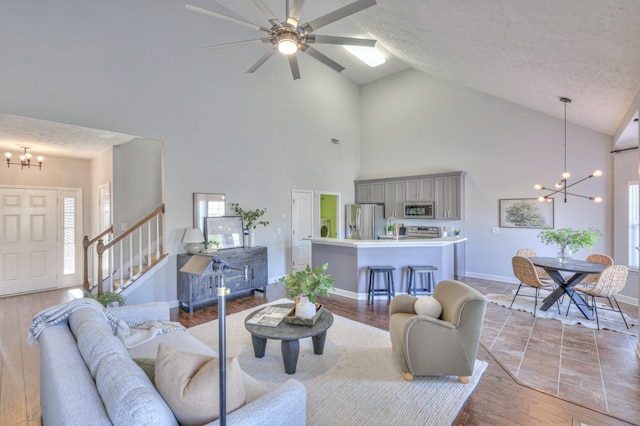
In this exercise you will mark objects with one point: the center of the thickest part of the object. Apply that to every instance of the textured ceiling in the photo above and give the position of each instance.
(529, 52)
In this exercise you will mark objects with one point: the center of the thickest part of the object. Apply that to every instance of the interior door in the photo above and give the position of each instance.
(28, 240)
(301, 227)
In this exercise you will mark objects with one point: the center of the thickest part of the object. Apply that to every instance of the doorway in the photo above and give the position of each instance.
(28, 250)
(330, 223)
(301, 227)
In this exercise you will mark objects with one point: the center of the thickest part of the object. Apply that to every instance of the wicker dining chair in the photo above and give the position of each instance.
(525, 271)
(596, 258)
(542, 274)
(611, 281)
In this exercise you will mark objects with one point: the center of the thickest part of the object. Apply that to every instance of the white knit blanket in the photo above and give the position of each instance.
(131, 335)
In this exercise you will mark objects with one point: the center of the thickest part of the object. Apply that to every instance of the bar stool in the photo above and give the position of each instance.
(389, 290)
(422, 269)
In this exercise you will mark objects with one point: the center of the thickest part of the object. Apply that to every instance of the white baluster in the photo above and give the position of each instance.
(140, 249)
(121, 264)
(130, 237)
(149, 243)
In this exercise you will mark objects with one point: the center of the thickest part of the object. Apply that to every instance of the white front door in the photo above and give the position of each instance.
(301, 227)
(28, 240)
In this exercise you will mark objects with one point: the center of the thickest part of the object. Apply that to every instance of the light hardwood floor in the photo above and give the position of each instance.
(498, 399)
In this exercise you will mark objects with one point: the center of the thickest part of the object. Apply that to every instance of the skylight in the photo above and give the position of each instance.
(368, 55)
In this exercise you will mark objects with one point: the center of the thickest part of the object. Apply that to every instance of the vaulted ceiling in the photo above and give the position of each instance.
(529, 52)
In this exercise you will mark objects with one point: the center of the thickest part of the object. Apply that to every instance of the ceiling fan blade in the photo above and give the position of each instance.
(237, 43)
(268, 13)
(293, 17)
(293, 63)
(338, 14)
(322, 58)
(262, 59)
(349, 41)
(224, 17)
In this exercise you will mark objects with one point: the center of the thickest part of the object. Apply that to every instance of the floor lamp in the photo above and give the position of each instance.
(207, 265)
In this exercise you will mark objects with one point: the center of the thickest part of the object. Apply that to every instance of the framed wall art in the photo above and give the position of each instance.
(525, 213)
(227, 231)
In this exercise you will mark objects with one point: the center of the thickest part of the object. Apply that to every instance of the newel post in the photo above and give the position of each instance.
(85, 246)
(100, 251)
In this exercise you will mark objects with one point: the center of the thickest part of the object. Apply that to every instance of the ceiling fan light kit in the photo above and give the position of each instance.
(289, 36)
(562, 186)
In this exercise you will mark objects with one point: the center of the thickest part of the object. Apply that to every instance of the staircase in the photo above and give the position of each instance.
(115, 264)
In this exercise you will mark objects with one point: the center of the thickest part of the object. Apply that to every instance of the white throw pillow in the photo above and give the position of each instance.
(428, 306)
(189, 384)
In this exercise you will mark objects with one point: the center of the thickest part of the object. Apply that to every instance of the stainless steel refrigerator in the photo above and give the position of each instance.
(364, 221)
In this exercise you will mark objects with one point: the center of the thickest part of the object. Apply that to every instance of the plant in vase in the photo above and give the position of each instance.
(250, 220)
(308, 284)
(569, 240)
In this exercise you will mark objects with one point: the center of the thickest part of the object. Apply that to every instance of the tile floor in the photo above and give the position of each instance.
(595, 368)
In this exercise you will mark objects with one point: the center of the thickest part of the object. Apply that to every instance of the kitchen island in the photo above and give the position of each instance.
(348, 260)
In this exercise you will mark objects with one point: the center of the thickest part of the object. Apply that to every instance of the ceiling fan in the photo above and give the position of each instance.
(289, 36)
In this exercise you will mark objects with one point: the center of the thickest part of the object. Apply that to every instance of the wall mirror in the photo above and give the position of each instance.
(207, 205)
(226, 231)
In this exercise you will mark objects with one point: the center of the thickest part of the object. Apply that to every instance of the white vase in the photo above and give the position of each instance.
(304, 308)
(252, 238)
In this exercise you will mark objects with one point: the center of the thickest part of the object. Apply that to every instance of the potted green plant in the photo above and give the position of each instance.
(308, 284)
(569, 240)
(107, 299)
(391, 230)
(250, 220)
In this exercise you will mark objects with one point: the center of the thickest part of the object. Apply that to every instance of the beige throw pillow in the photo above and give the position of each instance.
(428, 306)
(189, 383)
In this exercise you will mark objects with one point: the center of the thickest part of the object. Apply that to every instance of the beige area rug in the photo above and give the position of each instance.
(609, 320)
(356, 381)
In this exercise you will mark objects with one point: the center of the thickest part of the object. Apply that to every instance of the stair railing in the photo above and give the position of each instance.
(129, 249)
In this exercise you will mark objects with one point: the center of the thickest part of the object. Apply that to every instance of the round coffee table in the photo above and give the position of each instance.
(290, 334)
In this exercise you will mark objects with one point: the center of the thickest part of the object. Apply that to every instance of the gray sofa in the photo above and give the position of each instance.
(88, 377)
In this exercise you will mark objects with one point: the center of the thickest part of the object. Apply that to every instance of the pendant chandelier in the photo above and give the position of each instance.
(25, 159)
(562, 186)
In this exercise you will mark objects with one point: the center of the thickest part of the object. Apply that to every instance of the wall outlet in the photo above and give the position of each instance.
(279, 230)
(495, 230)
(284, 216)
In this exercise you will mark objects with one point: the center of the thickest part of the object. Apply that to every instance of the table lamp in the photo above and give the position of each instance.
(193, 239)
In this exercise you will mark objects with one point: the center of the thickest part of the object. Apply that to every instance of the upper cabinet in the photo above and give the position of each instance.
(394, 198)
(420, 189)
(369, 192)
(448, 197)
(446, 190)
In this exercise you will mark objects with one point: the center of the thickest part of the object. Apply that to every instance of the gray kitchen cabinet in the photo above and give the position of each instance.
(369, 192)
(420, 189)
(195, 291)
(448, 196)
(394, 199)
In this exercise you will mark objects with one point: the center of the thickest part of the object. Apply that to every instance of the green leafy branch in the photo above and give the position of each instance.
(250, 217)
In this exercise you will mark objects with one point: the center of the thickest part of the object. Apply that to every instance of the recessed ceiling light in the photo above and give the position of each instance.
(368, 55)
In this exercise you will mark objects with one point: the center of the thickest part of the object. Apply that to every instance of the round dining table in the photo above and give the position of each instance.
(579, 268)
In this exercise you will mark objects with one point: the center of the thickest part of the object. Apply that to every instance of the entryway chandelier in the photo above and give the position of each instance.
(25, 159)
(562, 186)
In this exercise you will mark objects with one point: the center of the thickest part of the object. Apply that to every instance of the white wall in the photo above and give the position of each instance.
(137, 181)
(413, 123)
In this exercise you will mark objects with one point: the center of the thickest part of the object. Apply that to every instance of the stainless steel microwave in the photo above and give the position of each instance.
(419, 210)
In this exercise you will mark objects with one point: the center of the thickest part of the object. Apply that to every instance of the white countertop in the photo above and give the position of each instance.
(406, 242)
